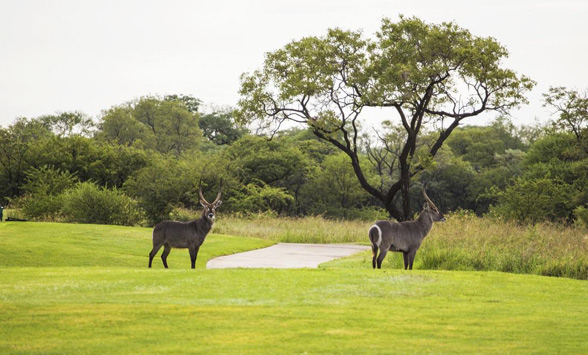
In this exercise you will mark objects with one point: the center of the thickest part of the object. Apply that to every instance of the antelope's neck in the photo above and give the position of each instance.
(425, 223)
(204, 224)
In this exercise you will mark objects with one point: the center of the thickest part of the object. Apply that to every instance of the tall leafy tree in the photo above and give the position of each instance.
(69, 123)
(118, 125)
(220, 128)
(191, 103)
(16, 143)
(167, 126)
(428, 75)
(571, 106)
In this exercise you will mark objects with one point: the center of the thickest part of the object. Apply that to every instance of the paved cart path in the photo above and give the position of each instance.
(286, 256)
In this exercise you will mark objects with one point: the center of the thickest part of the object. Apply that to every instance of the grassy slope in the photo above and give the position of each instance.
(86, 289)
(56, 244)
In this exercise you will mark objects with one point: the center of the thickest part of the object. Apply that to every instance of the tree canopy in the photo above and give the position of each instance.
(430, 76)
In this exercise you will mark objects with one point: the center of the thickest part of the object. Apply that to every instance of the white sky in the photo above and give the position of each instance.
(64, 55)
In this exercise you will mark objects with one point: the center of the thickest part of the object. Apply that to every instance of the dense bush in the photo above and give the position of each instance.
(43, 197)
(533, 201)
(41, 207)
(89, 203)
(259, 197)
(159, 187)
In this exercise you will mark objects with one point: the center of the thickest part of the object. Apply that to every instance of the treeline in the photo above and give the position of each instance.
(141, 162)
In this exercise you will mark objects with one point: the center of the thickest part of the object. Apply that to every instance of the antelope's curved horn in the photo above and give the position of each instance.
(427, 197)
(218, 196)
(200, 192)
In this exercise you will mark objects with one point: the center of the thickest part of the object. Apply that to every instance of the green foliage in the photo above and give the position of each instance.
(482, 146)
(300, 172)
(191, 104)
(88, 203)
(333, 190)
(118, 125)
(475, 159)
(43, 192)
(572, 107)
(416, 68)
(89, 159)
(68, 123)
(554, 147)
(220, 128)
(40, 207)
(151, 123)
(534, 200)
(259, 197)
(48, 180)
(282, 163)
(16, 155)
(159, 187)
(276, 162)
(558, 167)
(581, 214)
(53, 194)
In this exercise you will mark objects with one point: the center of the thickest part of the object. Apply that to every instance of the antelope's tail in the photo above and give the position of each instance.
(375, 235)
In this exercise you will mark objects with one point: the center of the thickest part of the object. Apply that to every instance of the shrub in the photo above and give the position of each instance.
(88, 203)
(581, 214)
(41, 207)
(259, 197)
(158, 188)
(43, 188)
(533, 200)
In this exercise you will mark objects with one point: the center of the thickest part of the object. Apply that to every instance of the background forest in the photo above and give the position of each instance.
(141, 162)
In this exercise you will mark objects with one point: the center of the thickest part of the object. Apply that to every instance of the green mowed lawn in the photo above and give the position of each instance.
(60, 244)
(86, 289)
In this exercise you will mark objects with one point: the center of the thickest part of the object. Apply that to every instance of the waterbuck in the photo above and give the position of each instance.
(405, 237)
(172, 234)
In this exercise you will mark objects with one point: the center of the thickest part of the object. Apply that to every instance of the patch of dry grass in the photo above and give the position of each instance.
(464, 242)
(467, 242)
(295, 230)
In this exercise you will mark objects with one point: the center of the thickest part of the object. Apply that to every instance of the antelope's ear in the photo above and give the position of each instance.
(426, 206)
(204, 204)
(218, 203)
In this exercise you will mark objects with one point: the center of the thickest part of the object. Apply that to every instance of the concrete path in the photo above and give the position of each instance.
(286, 256)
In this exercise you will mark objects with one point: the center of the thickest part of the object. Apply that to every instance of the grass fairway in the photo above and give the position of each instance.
(60, 244)
(86, 289)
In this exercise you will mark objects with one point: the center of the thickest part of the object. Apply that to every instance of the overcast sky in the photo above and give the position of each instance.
(81, 55)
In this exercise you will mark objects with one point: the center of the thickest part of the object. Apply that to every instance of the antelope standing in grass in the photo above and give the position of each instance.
(405, 237)
(190, 235)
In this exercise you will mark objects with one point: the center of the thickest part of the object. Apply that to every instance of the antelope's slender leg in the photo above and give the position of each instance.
(196, 255)
(166, 250)
(411, 255)
(374, 255)
(193, 256)
(381, 257)
(154, 252)
(405, 256)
